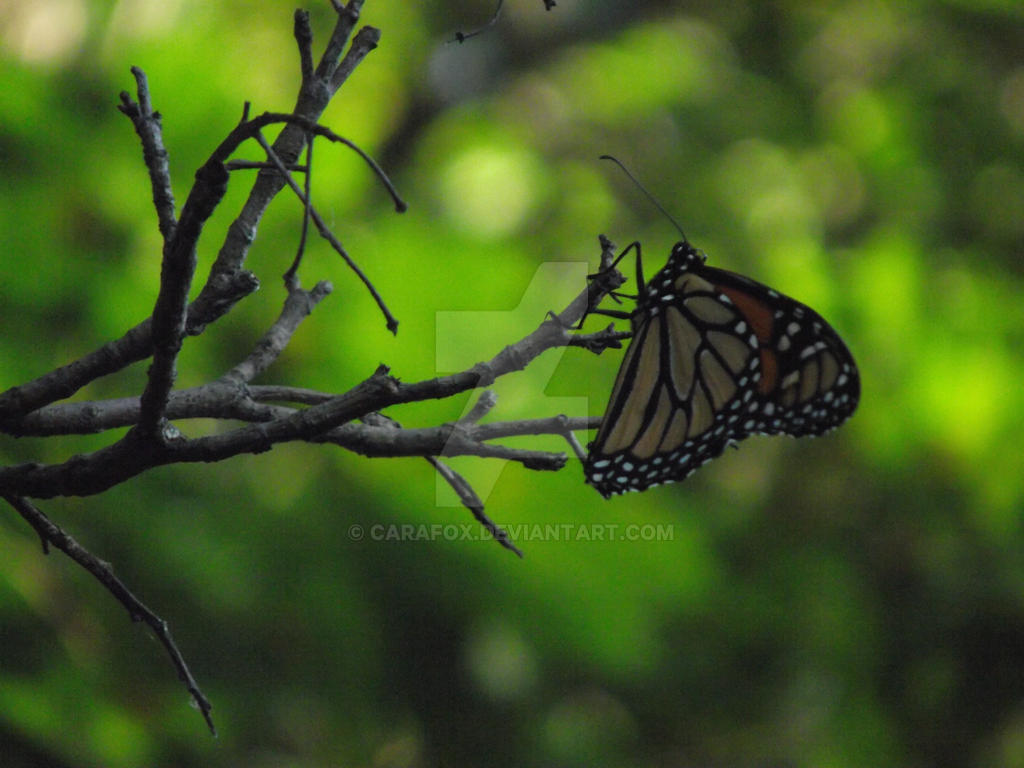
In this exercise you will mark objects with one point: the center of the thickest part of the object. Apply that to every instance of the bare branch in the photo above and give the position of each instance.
(328, 235)
(552, 425)
(231, 399)
(84, 475)
(290, 278)
(147, 125)
(473, 503)
(443, 440)
(365, 41)
(296, 308)
(348, 16)
(458, 483)
(227, 282)
(110, 466)
(272, 393)
(224, 399)
(260, 165)
(224, 291)
(304, 37)
(52, 533)
(269, 415)
(487, 400)
(312, 100)
(170, 313)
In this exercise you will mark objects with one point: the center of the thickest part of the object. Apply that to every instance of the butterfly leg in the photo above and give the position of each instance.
(635, 245)
(616, 296)
(618, 314)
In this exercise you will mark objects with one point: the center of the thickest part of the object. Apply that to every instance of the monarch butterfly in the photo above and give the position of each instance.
(715, 357)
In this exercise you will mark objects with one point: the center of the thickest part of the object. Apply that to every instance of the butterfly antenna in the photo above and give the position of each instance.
(650, 197)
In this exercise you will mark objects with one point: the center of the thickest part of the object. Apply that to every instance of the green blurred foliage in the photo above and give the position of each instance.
(854, 600)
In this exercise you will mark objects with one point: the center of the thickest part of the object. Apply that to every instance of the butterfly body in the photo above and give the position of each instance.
(715, 357)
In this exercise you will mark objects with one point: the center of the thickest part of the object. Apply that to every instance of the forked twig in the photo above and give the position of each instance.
(328, 235)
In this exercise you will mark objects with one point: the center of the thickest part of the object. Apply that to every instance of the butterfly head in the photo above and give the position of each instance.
(685, 257)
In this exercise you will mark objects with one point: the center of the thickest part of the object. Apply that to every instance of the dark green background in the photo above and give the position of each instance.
(856, 600)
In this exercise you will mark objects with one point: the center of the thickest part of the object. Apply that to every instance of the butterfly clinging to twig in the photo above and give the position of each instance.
(715, 357)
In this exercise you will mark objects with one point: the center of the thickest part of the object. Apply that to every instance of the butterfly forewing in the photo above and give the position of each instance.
(715, 357)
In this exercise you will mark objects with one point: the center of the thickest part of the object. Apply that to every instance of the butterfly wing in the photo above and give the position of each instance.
(716, 357)
(809, 383)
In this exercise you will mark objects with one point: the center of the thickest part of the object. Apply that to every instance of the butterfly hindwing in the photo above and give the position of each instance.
(809, 382)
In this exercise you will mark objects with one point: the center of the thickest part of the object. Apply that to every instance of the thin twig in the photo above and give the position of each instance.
(154, 153)
(366, 40)
(329, 236)
(259, 165)
(304, 38)
(484, 404)
(469, 498)
(51, 532)
(570, 437)
(289, 276)
(296, 308)
(551, 425)
(347, 18)
(251, 129)
(472, 502)
(599, 341)
(461, 37)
